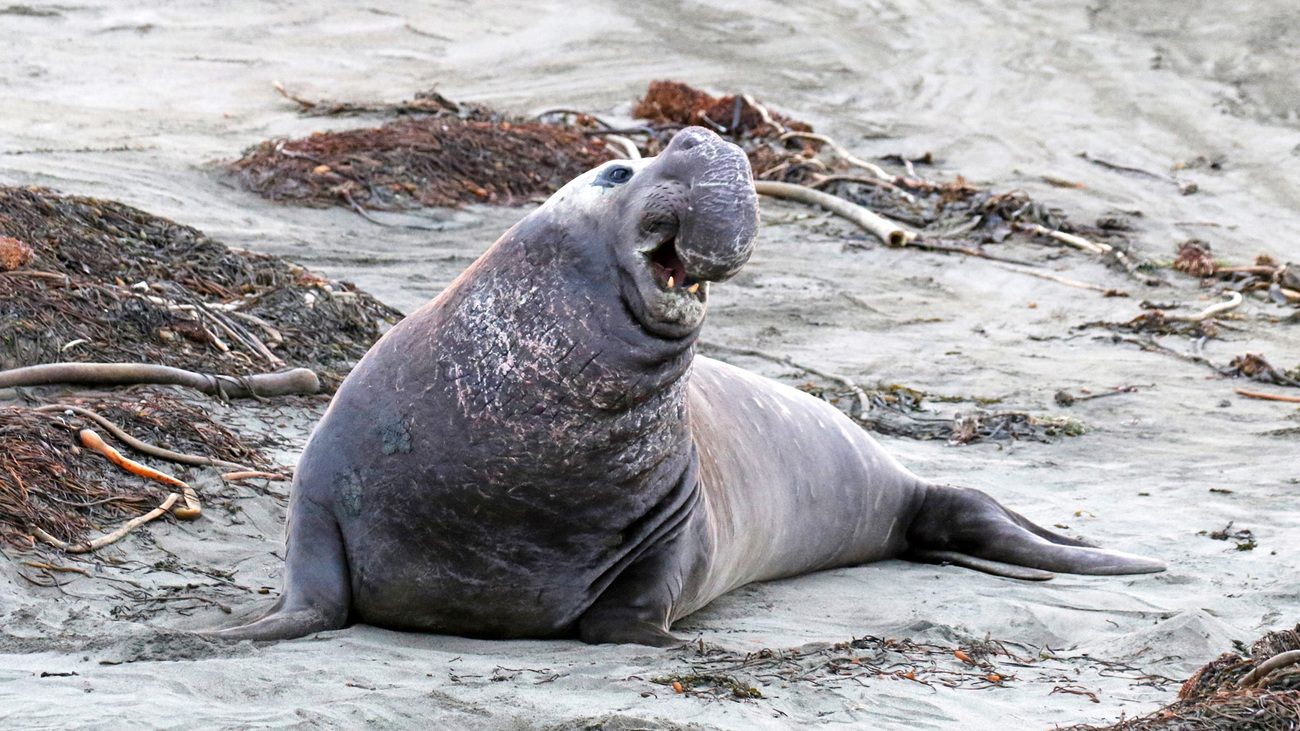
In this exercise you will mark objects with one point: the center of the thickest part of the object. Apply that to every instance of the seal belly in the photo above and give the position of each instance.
(791, 485)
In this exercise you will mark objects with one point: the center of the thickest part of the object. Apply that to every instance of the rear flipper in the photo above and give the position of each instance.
(317, 592)
(968, 528)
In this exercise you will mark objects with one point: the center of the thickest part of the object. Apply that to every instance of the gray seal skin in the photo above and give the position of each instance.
(538, 452)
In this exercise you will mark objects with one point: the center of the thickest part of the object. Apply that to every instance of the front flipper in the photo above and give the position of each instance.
(968, 528)
(316, 587)
(637, 606)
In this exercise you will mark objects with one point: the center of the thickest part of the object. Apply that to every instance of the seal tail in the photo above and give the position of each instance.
(966, 527)
(317, 595)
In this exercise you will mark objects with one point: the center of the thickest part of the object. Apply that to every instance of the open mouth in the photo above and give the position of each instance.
(669, 272)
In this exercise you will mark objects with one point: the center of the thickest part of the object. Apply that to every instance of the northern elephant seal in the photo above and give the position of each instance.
(538, 453)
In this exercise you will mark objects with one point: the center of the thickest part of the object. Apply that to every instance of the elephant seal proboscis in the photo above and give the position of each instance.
(538, 452)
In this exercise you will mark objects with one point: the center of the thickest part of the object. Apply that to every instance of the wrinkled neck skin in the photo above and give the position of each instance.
(544, 353)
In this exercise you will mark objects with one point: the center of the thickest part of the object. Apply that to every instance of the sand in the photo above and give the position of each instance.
(134, 100)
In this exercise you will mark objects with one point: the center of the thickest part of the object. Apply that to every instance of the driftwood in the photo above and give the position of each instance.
(882, 228)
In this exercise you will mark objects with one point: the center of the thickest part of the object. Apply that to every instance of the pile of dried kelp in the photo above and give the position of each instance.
(106, 282)
(437, 159)
(48, 481)
(1256, 693)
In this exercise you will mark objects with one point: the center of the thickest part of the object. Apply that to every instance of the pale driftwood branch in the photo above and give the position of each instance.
(839, 149)
(1095, 247)
(143, 447)
(253, 475)
(297, 380)
(1077, 242)
(1234, 299)
(882, 228)
(108, 538)
(858, 393)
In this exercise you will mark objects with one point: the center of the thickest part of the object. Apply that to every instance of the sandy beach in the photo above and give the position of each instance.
(137, 102)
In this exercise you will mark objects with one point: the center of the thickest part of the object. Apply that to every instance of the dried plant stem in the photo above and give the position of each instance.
(108, 538)
(882, 228)
(1055, 278)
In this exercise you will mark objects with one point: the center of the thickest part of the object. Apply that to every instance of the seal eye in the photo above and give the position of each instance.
(618, 174)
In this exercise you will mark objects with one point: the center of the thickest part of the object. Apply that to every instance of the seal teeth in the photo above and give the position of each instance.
(693, 288)
(670, 281)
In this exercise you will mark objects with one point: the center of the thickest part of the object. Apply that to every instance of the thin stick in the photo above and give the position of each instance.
(1055, 278)
(276, 337)
(1096, 247)
(824, 180)
(858, 393)
(192, 509)
(1256, 270)
(297, 380)
(1076, 241)
(839, 149)
(763, 113)
(61, 569)
(928, 245)
(1276, 662)
(1234, 299)
(1152, 345)
(108, 538)
(882, 228)
(251, 474)
(297, 100)
(238, 333)
(1269, 396)
(143, 447)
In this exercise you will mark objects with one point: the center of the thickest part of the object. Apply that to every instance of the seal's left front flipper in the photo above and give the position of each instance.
(637, 605)
(966, 527)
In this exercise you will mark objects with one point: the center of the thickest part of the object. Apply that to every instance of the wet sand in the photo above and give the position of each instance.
(133, 101)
